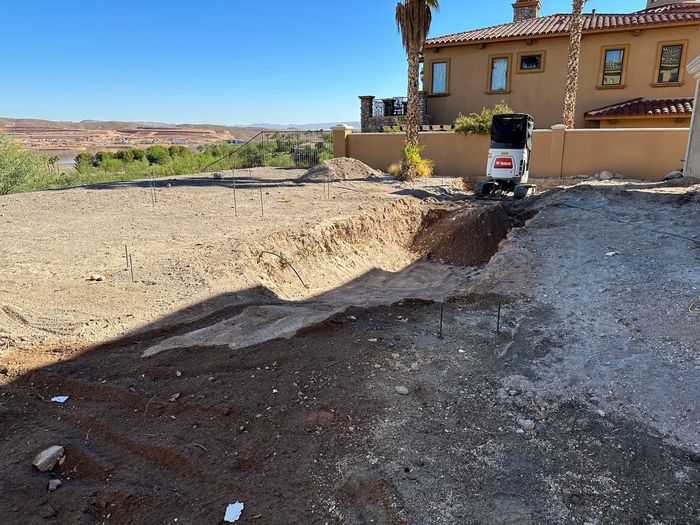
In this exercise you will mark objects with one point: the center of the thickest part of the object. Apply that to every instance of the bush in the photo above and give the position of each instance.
(101, 157)
(480, 123)
(394, 169)
(16, 165)
(157, 155)
(83, 162)
(178, 151)
(413, 166)
(138, 154)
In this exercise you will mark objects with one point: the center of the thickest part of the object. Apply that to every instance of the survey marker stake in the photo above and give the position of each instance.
(498, 320)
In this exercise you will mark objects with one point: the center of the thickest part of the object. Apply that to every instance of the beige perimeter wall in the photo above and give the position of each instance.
(647, 154)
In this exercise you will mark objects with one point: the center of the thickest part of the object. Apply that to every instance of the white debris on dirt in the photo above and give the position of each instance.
(59, 399)
(341, 168)
(233, 512)
(97, 277)
(47, 459)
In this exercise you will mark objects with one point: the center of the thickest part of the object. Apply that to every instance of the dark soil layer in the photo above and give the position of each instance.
(468, 236)
(312, 431)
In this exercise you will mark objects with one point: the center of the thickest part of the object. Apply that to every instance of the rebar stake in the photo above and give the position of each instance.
(235, 203)
(131, 265)
(126, 255)
(498, 320)
(262, 206)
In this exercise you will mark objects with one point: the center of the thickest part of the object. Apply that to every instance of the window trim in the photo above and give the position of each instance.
(521, 54)
(625, 64)
(657, 67)
(447, 77)
(509, 72)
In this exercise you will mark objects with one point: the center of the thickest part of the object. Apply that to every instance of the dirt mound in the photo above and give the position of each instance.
(342, 168)
(467, 236)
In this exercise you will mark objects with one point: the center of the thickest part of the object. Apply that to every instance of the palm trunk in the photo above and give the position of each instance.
(412, 118)
(569, 117)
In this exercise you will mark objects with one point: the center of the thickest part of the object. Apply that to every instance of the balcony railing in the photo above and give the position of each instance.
(390, 107)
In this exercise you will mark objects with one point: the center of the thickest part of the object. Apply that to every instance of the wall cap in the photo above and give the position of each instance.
(694, 67)
(559, 126)
(341, 127)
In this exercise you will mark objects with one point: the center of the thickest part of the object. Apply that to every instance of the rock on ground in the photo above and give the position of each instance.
(47, 459)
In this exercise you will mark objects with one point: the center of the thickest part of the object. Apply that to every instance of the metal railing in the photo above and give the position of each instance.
(283, 149)
(390, 107)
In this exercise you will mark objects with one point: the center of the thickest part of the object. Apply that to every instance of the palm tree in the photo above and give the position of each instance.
(569, 117)
(413, 18)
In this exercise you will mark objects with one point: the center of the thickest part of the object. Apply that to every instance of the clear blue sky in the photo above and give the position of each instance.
(216, 61)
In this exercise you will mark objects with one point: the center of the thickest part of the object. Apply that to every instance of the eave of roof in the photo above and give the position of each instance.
(645, 108)
(559, 25)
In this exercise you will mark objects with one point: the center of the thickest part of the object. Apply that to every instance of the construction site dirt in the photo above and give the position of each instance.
(369, 352)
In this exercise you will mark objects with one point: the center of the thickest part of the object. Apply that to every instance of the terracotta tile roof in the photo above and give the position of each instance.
(679, 6)
(560, 24)
(645, 107)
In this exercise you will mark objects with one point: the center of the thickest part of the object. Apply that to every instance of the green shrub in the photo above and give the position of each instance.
(480, 123)
(101, 157)
(138, 154)
(16, 165)
(413, 166)
(178, 151)
(84, 161)
(157, 155)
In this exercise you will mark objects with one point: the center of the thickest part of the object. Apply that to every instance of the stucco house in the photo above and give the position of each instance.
(632, 70)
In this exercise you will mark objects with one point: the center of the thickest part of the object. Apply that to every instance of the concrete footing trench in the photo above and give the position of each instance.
(476, 362)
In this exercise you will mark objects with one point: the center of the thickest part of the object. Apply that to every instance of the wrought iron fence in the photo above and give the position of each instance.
(390, 107)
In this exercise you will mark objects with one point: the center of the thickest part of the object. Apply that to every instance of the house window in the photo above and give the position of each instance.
(439, 78)
(613, 67)
(531, 62)
(670, 62)
(499, 78)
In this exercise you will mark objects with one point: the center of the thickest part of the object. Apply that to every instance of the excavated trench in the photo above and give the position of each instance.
(407, 249)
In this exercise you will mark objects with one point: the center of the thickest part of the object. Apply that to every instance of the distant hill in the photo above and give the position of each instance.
(239, 132)
(305, 127)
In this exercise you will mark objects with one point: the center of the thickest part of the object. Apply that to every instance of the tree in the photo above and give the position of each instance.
(413, 19)
(157, 154)
(569, 117)
(16, 164)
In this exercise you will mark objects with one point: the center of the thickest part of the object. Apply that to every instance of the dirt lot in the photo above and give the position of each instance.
(583, 409)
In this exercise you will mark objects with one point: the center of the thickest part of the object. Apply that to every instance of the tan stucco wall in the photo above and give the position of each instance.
(542, 94)
(637, 153)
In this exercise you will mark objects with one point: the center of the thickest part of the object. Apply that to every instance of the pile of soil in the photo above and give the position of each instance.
(468, 236)
(342, 168)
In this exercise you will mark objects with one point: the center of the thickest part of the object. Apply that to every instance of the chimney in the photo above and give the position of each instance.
(526, 10)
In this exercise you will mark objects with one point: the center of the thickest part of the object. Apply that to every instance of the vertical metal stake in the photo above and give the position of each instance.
(442, 308)
(131, 265)
(262, 207)
(498, 321)
(235, 203)
(126, 255)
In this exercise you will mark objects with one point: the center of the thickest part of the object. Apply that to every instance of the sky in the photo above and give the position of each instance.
(217, 61)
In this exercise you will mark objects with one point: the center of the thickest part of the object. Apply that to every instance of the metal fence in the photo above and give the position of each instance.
(390, 107)
(281, 149)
